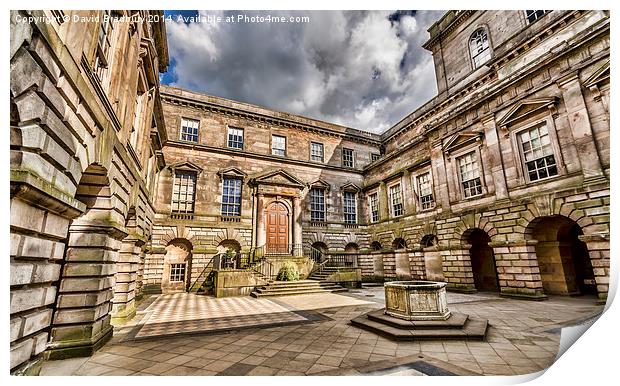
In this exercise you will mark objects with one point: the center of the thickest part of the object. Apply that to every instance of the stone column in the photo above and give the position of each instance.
(408, 194)
(384, 205)
(297, 228)
(598, 251)
(260, 220)
(495, 157)
(81, 323)
(518, 272)
(580, 127)
(123, 304)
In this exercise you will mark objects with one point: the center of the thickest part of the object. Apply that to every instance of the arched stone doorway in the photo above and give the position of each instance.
(277, 228)
(433, 262)
(318, 251)
(482, 260)
(563, 259)
(176, 276)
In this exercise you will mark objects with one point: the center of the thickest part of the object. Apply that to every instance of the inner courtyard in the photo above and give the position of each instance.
(156, 230)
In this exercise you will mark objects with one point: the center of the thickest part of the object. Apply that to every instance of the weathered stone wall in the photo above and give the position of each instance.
(75, 182)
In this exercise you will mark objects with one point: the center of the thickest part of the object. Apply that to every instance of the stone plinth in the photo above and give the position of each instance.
(418, 310)
(416, 300)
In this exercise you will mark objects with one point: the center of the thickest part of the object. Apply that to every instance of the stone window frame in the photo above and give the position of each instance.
(369, 194)
(312, 143)
(352, 189)
(285, 145)
(414, 182)
(174, 183)
(352, 158)
(472, 62)
(389, 187)
(515, 144)
(374, 156)
(453, 158)
(312, 204)
(239, 205)
(186, 118)
(228, 140)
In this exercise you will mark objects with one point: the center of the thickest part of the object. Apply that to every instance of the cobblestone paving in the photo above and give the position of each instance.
(523, 338)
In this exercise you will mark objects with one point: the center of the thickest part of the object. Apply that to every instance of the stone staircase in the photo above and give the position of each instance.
(323, 274)
(300, 287)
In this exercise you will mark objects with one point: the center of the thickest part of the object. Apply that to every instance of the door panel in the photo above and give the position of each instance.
(277, 228)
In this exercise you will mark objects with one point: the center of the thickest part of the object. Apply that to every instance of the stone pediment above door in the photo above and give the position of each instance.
(278, 177)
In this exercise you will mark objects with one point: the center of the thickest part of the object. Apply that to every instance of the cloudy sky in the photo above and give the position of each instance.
(363, 69)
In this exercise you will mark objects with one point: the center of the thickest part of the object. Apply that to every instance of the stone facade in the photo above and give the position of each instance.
(86, 138)
(547, 75)
(499, 183)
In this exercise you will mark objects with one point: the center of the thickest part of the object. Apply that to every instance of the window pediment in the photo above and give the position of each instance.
(350, 187)
(186, 166)
(320, 184)
(598, 76)
(460, 140)
(526, 108)
(232, 172)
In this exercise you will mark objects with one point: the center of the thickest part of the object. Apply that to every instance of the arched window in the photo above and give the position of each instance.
(479, 47)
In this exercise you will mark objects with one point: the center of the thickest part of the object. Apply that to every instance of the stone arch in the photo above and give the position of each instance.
(399, 243)
(352, 248)
(227, 244)
(179, 232)
(467, 223)
(228, 234)
(176, 275)
(351, 238)
(429, 240)
(542, 207)
(376, 246)
(563, 258)
(319, 248)
(90, 265)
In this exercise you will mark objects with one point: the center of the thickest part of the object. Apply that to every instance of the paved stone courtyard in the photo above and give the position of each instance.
(186, 334)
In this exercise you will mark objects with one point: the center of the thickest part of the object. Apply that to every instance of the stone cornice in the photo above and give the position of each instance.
(437, 33)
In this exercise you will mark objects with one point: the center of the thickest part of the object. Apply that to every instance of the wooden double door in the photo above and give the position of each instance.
(277, 228)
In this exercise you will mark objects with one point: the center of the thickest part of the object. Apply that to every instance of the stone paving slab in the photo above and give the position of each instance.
(522, 338)
(202, 314)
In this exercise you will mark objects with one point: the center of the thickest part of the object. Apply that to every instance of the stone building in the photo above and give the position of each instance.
(86, 137)
(499, 183)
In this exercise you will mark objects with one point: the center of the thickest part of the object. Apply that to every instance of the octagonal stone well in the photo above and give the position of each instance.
(416, 300)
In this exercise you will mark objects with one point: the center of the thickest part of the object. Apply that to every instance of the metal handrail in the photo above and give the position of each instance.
(202, 274)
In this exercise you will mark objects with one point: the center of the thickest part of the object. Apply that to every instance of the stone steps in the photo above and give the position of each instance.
(458, 326)
(301, 287)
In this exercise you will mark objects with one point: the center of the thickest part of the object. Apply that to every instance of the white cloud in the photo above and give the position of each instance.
(355, 68)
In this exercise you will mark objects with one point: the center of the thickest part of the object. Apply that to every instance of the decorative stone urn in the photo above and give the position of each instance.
(416, 300)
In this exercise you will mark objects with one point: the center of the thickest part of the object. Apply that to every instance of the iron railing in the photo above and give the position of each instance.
(337, 259)
(200, 280)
